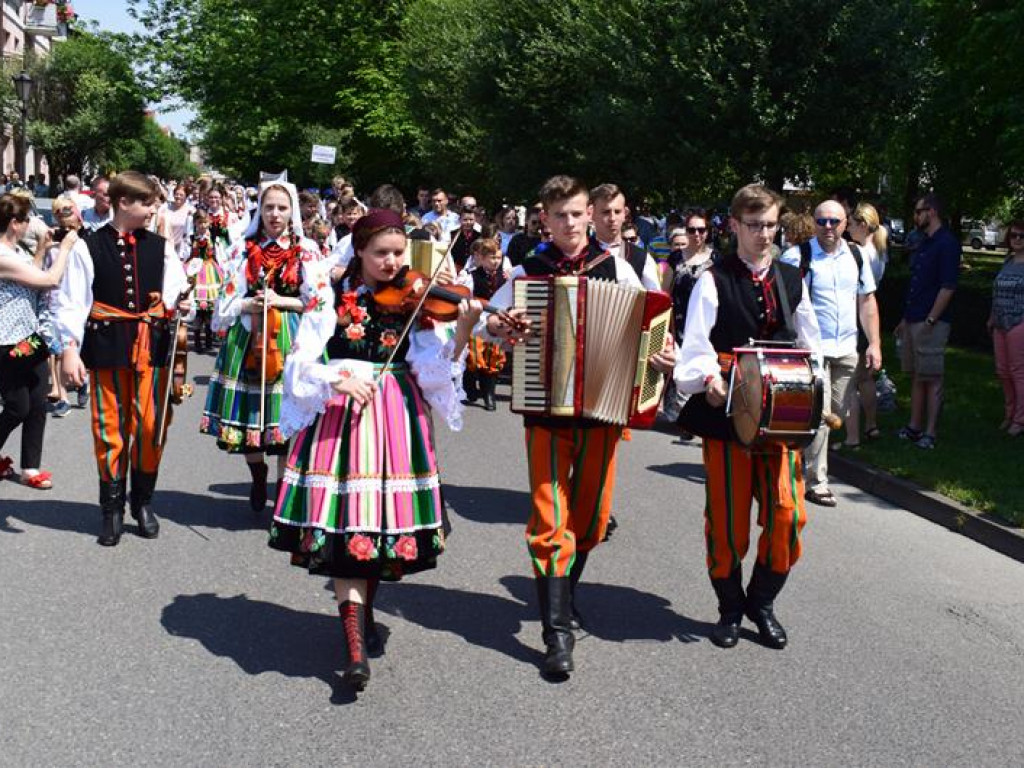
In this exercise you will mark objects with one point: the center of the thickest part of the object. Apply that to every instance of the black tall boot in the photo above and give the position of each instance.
(731, 602)
(764, 587)
(357, 671)
(112, 506)
(555, 601)
(141, 495)
(374, 636)
(469, 380)
(197, 344)
(487, 382)
(258, 490)
(575, 620)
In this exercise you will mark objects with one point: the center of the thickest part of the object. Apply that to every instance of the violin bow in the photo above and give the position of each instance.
(263, 361)
(165, 407)
(416, 311)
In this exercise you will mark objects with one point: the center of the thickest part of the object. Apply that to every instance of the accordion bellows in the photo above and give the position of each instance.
(587, 355)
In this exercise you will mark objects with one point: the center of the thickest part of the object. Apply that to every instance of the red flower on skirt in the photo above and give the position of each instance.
(388, 339)
(361, 547)
(355, 332)
(406, 548)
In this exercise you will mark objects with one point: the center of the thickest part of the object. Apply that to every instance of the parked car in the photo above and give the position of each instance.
(897, 231)
(43, 206)
(978, 235)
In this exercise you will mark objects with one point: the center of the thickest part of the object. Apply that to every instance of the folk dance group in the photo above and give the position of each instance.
(345, 392)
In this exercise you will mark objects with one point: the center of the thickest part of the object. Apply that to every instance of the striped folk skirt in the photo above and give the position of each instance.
(208, 282)
(232, 412)
(484, 357)
(361, 495)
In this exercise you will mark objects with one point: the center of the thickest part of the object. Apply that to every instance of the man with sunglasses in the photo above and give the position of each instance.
(924, 329)
(842, 290)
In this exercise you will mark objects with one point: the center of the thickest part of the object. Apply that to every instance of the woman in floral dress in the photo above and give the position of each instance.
(270, 262)
(203, 266)
(361, 498)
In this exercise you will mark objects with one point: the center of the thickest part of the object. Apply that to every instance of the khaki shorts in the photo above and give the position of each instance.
(923, 348)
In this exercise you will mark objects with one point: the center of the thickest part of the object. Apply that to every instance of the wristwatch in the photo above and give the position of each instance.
(930, 320)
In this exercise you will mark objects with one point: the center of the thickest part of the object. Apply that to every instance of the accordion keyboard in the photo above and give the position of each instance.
(529, 379)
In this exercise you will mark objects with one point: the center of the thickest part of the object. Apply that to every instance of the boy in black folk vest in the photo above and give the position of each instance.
(738, 299)
(119, 292)
(571, 460)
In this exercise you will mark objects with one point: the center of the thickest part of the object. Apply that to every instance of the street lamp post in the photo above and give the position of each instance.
(23, 86)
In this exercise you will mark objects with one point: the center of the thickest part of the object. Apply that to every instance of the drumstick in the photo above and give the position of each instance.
(832, 421)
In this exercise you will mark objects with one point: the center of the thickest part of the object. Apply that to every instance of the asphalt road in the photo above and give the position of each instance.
(205, 648)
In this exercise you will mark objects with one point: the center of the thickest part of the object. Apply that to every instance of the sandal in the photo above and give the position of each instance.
(822, 499)
(41, 481)
(873, 434)
(909, 433)
(6, 467)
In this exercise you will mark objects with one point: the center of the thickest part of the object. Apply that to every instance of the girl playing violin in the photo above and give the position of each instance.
(261, 307)
(361, 499)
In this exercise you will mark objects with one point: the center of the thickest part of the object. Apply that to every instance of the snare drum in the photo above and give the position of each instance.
(774, 396)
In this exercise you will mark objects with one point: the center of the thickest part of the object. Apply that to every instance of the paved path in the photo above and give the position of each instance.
(205, 648)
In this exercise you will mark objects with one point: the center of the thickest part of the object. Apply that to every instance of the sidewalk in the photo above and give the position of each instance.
(985, 529)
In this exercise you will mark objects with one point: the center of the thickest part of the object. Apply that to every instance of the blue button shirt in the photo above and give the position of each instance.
(935, 265)
(834, 287)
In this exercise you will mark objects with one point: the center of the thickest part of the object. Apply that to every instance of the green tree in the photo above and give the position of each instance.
(150, 151)
(86, 97)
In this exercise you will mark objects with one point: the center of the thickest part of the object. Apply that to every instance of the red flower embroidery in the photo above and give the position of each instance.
(358, 314)
(313, 303)
(355, 332)
(361, 547)
(388, 339)
(405, 548)
(229, 289)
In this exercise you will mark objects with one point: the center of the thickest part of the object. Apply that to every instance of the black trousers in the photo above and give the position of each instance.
(24, 385)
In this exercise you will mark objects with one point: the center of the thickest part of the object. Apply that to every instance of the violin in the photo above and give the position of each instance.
(403, 293)
(264, 354)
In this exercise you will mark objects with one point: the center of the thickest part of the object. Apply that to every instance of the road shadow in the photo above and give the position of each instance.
(694, 473)
(205, 511)
(487, 621)
(72, 516)
(262, 637)
(620, 614)
(488, 505)
(236, 489)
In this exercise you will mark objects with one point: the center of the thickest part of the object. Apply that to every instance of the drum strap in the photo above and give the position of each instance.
(787, 313)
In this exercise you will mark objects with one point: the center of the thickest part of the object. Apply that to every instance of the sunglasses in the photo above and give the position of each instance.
(1017, 235)
(631, 239)
(920, 210)
(828, 222)
(696, 230)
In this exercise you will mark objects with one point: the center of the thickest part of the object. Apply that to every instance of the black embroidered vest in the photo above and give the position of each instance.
(125, 282)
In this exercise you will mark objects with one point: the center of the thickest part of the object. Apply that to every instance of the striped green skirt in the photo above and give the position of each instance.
(361, 496)
(232, 412)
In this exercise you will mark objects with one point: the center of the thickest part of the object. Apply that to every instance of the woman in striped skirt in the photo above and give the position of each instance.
(205, 268)
(243, 410)
(361, 499)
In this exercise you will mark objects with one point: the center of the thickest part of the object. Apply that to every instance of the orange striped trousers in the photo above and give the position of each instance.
(572, 479)
(735, 478)
(125, 413)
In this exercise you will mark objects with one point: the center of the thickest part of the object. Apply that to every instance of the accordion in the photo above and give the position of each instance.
(587, 354)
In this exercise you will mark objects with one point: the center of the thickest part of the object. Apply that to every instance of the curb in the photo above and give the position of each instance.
(933, 506)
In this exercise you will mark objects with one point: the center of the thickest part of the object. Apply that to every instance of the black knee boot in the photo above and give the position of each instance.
(143, 484)
(374, 636)
(553, 593)
(469, 385)
(357, 671)
(258, 490)
(487, 383)
(731, 602)
(112, 506)
(575, 619)
(764, 587)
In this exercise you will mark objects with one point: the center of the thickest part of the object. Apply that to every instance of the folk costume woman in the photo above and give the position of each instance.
(361, 500)
(485, 359)
(204, 266)
(222, 220)
(243, 405)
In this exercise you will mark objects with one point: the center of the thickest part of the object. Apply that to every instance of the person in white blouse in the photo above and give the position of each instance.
(737, 299)
(112, 308)
(360, 500)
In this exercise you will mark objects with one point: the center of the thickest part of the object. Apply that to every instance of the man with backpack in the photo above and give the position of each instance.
(842, 290)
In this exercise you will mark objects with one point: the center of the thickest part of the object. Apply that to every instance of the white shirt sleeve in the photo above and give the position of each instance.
(438, 374)
(806, 321)
(229, 305)
(697, 358)
(502, 299)
(74, 297)
(651, 277)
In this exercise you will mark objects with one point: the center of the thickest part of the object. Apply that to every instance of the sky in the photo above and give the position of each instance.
(113, 15)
